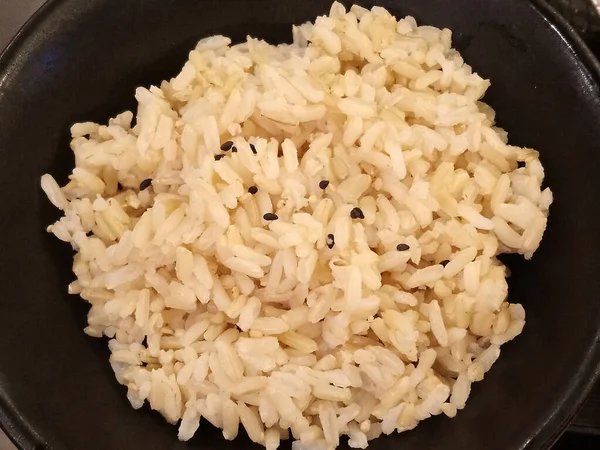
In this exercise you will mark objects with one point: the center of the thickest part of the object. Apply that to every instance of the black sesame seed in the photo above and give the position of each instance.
(253, 148)
(357, 213)
(119, 187)
(270, 216)
(234, 149)
(521, 164)
(323, 184)
(227, 146)
(145, 184)
(402, 247)
(253, 190)
(330, 240)
(445, 262)
(89, 233)
(219, 157)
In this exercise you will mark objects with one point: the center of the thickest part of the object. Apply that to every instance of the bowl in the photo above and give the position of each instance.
(79, 61)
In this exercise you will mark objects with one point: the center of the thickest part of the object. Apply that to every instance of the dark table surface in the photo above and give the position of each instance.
(14, 13)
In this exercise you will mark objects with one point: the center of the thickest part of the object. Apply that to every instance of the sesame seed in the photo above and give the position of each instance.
(323, 184)
(227, 146)
(521, 164)
(234, 149)
(270, 216)
(445, 262)
(253, 148)
(330, 240)
(357, 213)
(145, 184)
(219, 157)
(253, 190)
(402, 247)
(119, 187)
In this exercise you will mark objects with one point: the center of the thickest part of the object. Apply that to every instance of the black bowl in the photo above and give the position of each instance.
(81, 60)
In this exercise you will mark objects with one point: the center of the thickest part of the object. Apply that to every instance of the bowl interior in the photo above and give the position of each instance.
(82, 60)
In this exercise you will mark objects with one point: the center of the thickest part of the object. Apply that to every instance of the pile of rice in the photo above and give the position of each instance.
(302, 238)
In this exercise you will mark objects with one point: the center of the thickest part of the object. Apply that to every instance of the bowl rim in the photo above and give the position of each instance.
(24, 436)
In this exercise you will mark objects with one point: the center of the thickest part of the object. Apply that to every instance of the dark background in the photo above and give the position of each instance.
(13, 13)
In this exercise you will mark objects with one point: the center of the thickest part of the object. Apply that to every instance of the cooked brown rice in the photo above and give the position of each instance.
(302, 238)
